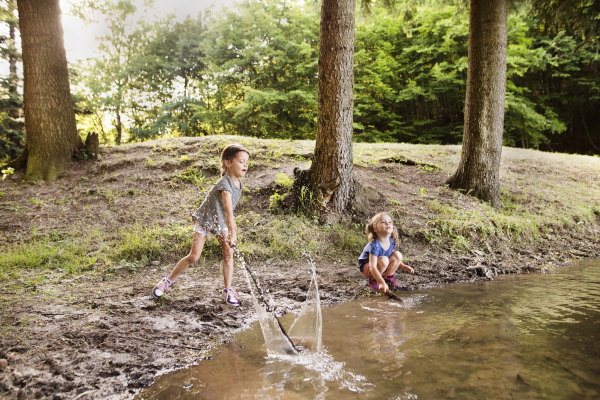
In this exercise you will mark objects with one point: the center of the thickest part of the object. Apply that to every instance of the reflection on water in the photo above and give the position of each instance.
(519, 337)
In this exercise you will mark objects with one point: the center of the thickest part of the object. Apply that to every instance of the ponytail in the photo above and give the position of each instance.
(370, 231)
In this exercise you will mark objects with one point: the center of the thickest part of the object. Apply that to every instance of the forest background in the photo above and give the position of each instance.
(251, 70)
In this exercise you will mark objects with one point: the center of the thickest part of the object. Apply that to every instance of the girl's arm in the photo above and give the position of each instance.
(229, 218)
(383, 287)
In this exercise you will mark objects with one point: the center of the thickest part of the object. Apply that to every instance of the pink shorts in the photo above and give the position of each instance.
(367, 271)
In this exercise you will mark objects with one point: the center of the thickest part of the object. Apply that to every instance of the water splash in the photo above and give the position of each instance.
(275, 340)
(308, 325)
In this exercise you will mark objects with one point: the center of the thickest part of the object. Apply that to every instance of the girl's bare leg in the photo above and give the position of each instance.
(227, 259)
(185, 262)
(403, 266)
(395, 261)
(382, 264)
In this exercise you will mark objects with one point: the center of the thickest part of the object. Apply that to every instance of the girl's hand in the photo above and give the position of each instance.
(383, 288)
(407, 269)
(232, 239)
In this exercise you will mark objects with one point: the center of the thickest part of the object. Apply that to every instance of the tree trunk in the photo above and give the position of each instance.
(587, 132)
(119, 125)
(330, 176)
(479, 167)
(49, 117)
(13, 78)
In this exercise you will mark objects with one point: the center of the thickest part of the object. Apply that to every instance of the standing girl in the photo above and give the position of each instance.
(380, 259)
(215, 215)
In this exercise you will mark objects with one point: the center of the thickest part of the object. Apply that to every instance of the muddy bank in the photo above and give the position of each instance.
(110, 339)
(95, 332)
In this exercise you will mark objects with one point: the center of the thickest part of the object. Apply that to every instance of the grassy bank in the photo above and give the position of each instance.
(133, 206)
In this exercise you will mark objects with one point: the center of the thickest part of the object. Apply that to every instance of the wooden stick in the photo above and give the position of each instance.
(393, 295)
(261, 295)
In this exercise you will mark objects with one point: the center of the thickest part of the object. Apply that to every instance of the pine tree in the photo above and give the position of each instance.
(12, 135)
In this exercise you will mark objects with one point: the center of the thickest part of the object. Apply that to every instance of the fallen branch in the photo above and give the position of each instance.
(48, 314)
(407, 161)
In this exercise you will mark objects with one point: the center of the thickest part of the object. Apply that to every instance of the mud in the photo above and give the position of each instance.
(86, 336)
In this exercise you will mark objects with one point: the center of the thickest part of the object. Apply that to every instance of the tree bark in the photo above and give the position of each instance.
(13, 78)
(49, 117)
(479, 168)
(587, 132)
(330, 176)
(119, 124)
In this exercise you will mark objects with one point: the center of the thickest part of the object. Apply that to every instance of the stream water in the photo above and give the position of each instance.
(526, 336)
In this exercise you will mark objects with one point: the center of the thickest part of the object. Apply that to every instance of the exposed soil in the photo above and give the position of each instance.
(92, 335)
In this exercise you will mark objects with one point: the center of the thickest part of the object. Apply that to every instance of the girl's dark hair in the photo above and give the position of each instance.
(370, 230)
(229, 153)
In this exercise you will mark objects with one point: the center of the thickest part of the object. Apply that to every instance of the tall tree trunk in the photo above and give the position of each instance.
(49, 117)
(13, 78)
(479, 168)
(119, 125)
(587, 132)
(330, 176)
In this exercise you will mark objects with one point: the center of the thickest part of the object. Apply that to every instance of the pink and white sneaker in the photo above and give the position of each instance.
(373, 283)
(162, 288)
(231, 297)
(392, 284)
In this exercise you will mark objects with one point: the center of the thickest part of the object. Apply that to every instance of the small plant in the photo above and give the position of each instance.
(284, 180)
(132, 266)
(149, 162)
(12, 207)
(192, 175)
(84, 154)
(6, 172)
(83, 179)
(275, 202)
(37, 202)
(394, 202)
(428, 168)
(184, 159)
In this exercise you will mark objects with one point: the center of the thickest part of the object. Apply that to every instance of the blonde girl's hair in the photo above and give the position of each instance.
(370, 228)
(228, 154)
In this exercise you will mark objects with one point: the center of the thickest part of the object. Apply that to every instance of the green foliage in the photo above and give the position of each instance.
(12, 132)
(284, 180)
(63, 252)
(410, 76)
(275, 202)
(193, 176)
(252, 70)
(264, 70)
(6, 172)
(152, 242)
(306, 202)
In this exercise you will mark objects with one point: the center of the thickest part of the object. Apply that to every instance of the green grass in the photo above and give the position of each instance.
(261, 236)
